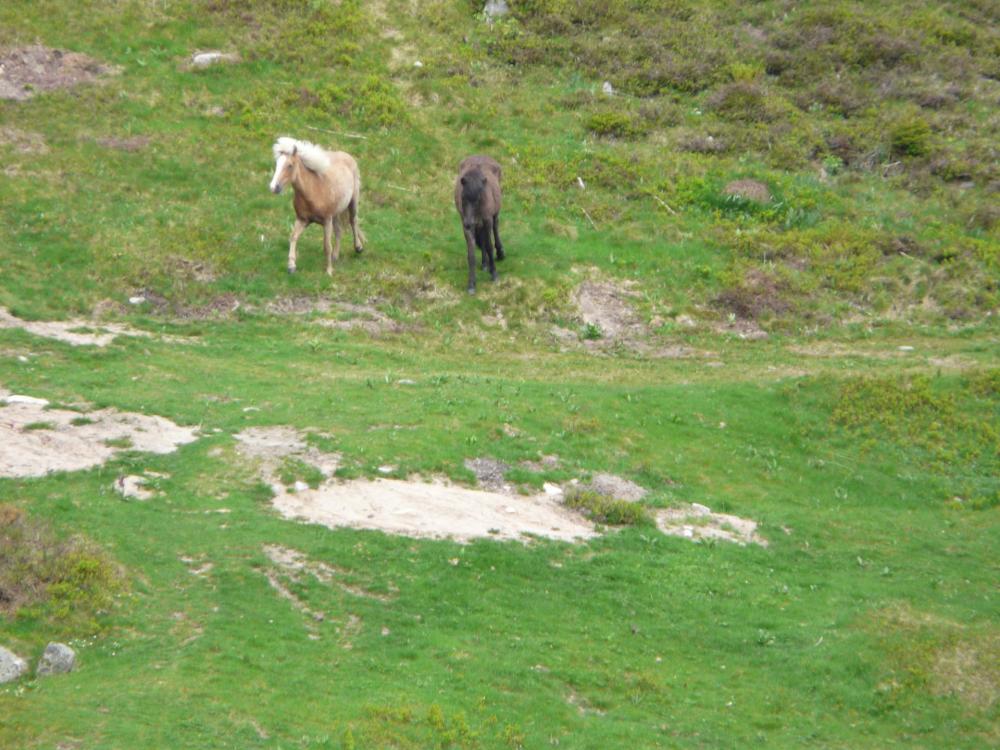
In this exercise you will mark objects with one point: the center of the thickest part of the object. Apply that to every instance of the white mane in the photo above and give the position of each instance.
(313, 156)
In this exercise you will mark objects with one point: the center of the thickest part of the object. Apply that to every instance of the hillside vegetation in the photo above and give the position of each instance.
(821, 358)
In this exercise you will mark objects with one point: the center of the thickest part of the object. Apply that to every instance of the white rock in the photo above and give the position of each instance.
(906, 348)
(495, 9)
(406, 381)
(417, 64)
(386, 469)
(136, 300)
(580, 183)
(607, 88)
(204, 59)
(300, 486)
(701, 510)
(552, 490)
(12, 666)
(133, 487)
(30, 400)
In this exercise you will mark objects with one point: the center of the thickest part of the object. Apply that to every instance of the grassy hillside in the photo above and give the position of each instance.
(825, 362)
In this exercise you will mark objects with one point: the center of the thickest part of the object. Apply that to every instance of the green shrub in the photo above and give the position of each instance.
(910, 137)
(69, 581)
(606, 510)
(617, 124)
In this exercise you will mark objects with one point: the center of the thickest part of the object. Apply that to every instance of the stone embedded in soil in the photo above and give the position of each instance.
(610, 485)
(58, 658)
(26, 71)
(750, 190)
(12, 666)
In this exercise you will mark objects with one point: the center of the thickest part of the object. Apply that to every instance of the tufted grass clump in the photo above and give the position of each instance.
(606, 510)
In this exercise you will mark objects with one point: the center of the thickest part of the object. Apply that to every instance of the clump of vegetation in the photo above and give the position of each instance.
(606, 510)
(616, 124)
(953, 427)
(69, 581)
(911, 136)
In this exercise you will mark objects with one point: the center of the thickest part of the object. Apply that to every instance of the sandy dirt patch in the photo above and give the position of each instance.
(37, 440)
(697, 522)
(434, 510)
(270, 447)
(607, 311)
(73, 332)
(296, 564)
(26, 71)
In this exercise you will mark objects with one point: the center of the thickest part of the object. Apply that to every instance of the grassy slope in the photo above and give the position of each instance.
(838, 635)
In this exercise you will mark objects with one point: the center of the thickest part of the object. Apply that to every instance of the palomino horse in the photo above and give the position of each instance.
(327, 184)
(477, 198)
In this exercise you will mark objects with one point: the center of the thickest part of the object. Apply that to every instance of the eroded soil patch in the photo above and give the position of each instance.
(25, 71)
(272, 447)
(697, 523)
(433, 510)
(37, 440)
(72, 332)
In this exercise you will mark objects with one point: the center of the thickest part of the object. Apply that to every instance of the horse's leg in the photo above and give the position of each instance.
(470, 246)
(355, 229)
(488, 249)
(327, 247)
(337, 229)
(482, 246)
(496, 237)
(294, 241)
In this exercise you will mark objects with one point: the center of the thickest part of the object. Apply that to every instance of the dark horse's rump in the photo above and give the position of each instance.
(477, 198)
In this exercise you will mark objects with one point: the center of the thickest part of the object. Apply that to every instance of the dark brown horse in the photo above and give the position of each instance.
(477, 198)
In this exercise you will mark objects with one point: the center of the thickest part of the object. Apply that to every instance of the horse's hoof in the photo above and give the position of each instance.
(291, 269)
(471, 290)
(495, 276)
(358, 250)
(501, 255)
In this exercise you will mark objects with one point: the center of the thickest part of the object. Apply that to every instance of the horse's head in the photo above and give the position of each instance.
(286, 156)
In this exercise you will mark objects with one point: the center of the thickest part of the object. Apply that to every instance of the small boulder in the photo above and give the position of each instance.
(12, 666)
(58, 658)
(204, 59)
(495, 9)
(750, 190)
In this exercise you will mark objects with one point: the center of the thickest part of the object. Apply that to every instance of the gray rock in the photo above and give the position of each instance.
(495, 9)
(12, 666)
(58, 658)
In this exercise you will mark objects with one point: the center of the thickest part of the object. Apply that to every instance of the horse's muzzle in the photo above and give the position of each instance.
(276, 189)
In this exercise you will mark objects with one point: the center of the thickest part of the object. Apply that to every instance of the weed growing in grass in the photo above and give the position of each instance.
(606, 510)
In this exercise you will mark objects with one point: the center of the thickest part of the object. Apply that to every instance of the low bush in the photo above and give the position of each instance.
(606, 510)
(69, 581)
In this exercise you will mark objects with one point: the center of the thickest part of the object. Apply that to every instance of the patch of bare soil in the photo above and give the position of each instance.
(73, 332)
(37, 440)
(434, 510)
(23, 141)
(363, 317)
(605, 307)
(748, 330)
(25, 71)
(129, 145)
(271, 446)
(697, 522)
(970, 670)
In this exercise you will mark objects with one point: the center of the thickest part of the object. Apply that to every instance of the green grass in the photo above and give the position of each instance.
(872, 470)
